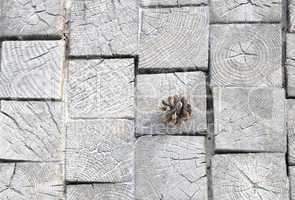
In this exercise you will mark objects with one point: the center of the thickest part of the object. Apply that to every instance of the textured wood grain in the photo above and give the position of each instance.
(250, 176)
(173, 2)
(118, 191)
(104, 27)
(290, 64)
(100, 150)
(27, 17)
(32, 69)
(291, 130)
(291, 12)
(171, 167)
(153, 88)
(246, 10)
(174, 38)
(101, 88)
(292, 182)
(246, 55)
(249, 119)
(34, 181)
(31, 131)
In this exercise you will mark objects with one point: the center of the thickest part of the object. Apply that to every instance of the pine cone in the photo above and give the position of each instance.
(176, 110)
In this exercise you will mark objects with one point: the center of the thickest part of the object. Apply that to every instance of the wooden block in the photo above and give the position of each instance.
(245, 11)
(291, 130)
(100, 150)
(103, 27)
(290, 64)
(101, 88)
(32, 18)
(153, 88)
(118, 191)
(246, 55)
(174, 38)
(40, 181)
(173, 2)
(249, 119)
(250, 176)
(291, 12)
(292, 182)
(32, 69)
(31, 131)
(171, 167)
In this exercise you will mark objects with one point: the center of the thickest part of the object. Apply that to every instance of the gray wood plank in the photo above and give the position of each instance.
(173, 2)
(292, 182)
(291, 130)
(290, 64)
(291, 12)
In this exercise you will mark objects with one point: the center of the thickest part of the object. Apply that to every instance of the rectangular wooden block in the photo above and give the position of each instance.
(100, 150)
(27, 18)
(292, 182)
(153, 88)
(171, 167)
(174, 38)
(249, 119)
(291, 17)
(23, 181)
(291, 130)
(173, 2)
(250, 176)
(290, 64)
(118, 191)
(101, 88)
(103, 27)
(245, 11)
(31, 131)
(246, 55)
(32, 69)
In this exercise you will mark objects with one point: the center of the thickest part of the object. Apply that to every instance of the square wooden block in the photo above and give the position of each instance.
(32, 18)
(290, 64)
(101, 88)
(42, 181)
(250, 176)
(103, 27)
(291, 130)
(245, 11)
(32, 69)
(174, 38)
(173, 2)
(246, 55)
(118, 191)
(31, 131)
(249, 119)
(100, 150)
(153, 88)
(171, 167)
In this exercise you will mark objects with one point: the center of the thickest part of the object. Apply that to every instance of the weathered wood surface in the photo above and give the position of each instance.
(34, 181)
(103, 27)
(100, 150)
(31, 131)
(118, 191)
(31, 18)
(246, 55)
(32, 69)
(250, 176)
(153, 88)
(290, 64)
(174, 38)
(227, 11)
(292, 182)
(173, 2)
(170, 167)
(101, 88)
(291, 130)
(249, 119)
(291, 12)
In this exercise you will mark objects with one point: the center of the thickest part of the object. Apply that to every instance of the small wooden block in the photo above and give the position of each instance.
(291, 11)
(292, 182)
(174, 38)
(32, 18)
(32, 69)
(101, 88)
(290, 64)
(291, 130)
(31, 131)
(118, 191)
(171, 167)
(153, 88)
(249, 119)
(250, 176)
(245, 11)
(100, 150)
(104, 27)
(23, 181)
(246, 55)
(173, 2)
